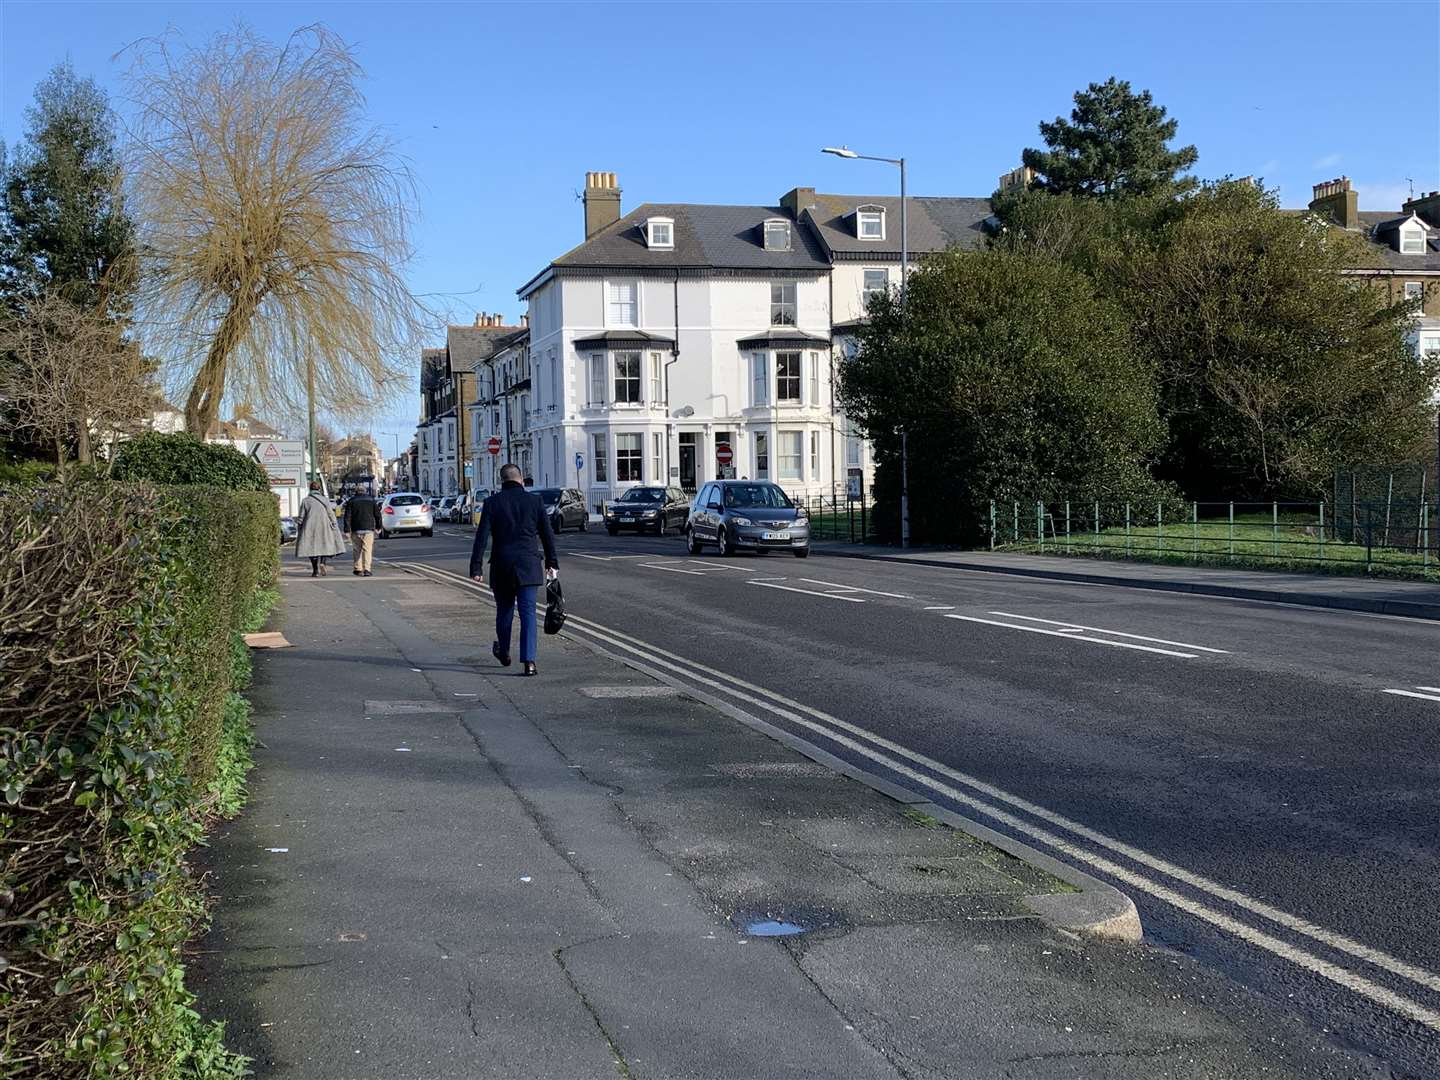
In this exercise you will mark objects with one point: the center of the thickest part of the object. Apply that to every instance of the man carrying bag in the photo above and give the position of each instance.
(517, 523)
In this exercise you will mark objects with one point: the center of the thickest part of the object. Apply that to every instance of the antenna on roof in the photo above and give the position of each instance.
(1411, 179)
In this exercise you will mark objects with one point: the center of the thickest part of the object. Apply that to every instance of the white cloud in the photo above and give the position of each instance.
(1328, 161)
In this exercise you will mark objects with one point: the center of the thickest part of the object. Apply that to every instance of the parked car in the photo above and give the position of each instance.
(648, 509)
(406, 511)
(566, 506)
(289, 529)
(752, 514)
(471, 502)
(443, 506)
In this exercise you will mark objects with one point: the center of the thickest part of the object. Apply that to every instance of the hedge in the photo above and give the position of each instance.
(121, 733)
(184, 459)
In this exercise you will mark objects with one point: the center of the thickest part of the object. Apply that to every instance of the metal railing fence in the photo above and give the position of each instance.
(1399, 536)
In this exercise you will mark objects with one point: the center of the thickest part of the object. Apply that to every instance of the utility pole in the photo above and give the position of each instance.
(310, 408)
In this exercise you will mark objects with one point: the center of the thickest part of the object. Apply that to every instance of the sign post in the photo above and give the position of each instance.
(724, 457)
(493, 446)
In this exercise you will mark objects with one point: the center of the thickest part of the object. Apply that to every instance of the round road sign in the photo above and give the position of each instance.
(494, 444)
(723, 454)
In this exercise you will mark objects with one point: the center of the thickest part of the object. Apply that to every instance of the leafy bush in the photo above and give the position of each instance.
(119, 610)
(184, 459)
(26, 471)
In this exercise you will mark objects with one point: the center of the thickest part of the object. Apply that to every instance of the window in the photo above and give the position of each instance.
(657, 395)
(655, 477)
(782, 303)
(1430, 344)
(814, 379)
(777, 235)
(814, 455)
(790, 449)
(759, 380)
(787, 378)
(1414, 290)
(661, 232)
(762, 457)
(627, 377)
(870, 223)
(876, 281)
(627, 458)
(623, 304)
(602, 461)
(597, 379)
(554, 381)
(555, 458)
(1412, 241)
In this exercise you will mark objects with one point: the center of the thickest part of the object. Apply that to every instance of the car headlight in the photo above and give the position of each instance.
(649, 513)
(737, 520)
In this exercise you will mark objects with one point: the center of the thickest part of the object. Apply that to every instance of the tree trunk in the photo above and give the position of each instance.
(203, 404)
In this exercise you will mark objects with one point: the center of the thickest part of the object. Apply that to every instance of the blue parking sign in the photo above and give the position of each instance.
(579, 462)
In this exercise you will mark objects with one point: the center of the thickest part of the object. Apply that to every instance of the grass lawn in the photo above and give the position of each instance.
(1253, 542)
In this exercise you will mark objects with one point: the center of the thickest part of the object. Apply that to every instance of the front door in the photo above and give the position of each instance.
(688, 459)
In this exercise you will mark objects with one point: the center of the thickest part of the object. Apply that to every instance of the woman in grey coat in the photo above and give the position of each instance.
(318, 536)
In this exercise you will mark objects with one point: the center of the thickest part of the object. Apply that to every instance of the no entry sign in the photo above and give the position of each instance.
(723, 454)
(494, 444)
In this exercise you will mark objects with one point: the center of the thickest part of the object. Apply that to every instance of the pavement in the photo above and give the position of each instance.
(449, 871)
(1389, 596)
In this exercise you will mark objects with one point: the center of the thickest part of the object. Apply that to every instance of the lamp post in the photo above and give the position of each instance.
(846, 152)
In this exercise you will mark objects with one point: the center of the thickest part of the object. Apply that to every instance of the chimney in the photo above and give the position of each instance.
(1427, 205)
(524, 322)
(602, 202)
(1017, 179)
(797, 200)
(1338, 201)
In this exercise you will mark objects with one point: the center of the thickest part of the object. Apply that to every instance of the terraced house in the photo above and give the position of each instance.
(684, 342)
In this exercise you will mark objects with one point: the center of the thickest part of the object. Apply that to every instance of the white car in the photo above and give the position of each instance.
(406, 511)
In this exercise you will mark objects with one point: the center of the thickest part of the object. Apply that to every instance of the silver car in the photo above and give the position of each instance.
(753, 514)
(406, 511)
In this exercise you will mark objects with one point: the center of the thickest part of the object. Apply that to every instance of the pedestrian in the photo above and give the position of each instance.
(516, 521)
(361, 523)
(318, 536)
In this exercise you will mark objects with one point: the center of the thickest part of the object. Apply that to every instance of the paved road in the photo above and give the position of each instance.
(1256, 776)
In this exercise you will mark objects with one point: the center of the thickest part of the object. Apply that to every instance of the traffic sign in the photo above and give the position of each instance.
(723, 454)
(494, 444)
(579, 462)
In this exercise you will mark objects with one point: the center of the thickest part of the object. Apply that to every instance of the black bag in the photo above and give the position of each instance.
(554, 607)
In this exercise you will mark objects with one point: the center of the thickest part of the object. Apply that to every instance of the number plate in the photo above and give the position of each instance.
(627, 521)
(777, 536)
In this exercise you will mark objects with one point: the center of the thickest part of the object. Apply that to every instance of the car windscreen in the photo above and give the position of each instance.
(406, 500)
(762, 496)
(549, 495)
(642, 495)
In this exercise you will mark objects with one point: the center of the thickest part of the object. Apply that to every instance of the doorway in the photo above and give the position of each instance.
(689, 458)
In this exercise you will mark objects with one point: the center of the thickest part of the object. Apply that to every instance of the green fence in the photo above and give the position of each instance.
(1399, 537)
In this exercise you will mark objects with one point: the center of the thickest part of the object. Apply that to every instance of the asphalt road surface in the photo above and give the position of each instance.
(1262, 779)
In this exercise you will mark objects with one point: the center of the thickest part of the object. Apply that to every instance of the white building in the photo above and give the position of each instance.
(681, 334)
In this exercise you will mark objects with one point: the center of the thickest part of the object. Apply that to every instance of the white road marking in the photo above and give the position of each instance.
(1432, 689)
(857, 588)
(672, 569)
(1298, 925)
(722, 566)
(1113, 633)
(805, 592)
(1068, 635)
(1411, 693)
(941, 607)
(603, 558)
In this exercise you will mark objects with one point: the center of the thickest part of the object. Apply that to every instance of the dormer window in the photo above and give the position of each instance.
(1412, 241)
(660, 232)
(870, 223)
(777, 235)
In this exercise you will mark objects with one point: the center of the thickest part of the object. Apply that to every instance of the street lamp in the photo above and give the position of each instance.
(846, 152)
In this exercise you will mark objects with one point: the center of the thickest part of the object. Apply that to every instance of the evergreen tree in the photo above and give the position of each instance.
(1115, 144)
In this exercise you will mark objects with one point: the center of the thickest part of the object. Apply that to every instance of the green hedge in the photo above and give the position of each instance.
(184, 459)
(121, 732)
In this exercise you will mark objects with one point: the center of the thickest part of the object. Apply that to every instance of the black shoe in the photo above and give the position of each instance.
(314, 573)
(355, 572)
(503, 657)
(369, 574)
(528, 668)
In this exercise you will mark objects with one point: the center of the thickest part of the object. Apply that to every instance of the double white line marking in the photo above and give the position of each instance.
(1432, 695)
(1003, 807)
(1078, 632)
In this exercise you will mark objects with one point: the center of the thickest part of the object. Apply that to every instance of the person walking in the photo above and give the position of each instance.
(318, 536)
(518, 524)
(361, 523)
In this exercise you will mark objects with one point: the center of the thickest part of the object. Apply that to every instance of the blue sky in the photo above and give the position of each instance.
(502, 108)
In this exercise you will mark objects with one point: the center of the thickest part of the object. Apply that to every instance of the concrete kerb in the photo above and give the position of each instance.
(1095, 910)
(1406, 608)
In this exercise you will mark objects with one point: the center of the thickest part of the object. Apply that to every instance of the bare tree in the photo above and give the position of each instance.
(274, 223)
(69, 376)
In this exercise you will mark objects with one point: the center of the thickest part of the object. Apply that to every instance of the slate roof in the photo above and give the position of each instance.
(779, 337)
(1378, 227)
(725, 237)
(611, 339)
(934, 223)
(469, 344)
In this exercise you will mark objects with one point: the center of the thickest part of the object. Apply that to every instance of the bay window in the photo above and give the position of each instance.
(657, 393)
(627, 377)
(655, 476)
(814, 379)
(787, 378)
(627, 458)
(602, 459)
(759, 380)
(597, 379)
(814, 455)
(790, 444)
(762, 457)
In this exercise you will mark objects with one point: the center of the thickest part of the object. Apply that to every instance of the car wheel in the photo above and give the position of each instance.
(612, 531)
(692, 542)
(557, 524)
(427, 532)
(802, 553)
(585, 523)
(727, 546)
(660, 529)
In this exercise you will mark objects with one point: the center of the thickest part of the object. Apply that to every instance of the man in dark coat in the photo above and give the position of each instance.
(517, 522)
(362, 522)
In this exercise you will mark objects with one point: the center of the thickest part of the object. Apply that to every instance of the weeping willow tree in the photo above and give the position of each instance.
(274, 224)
